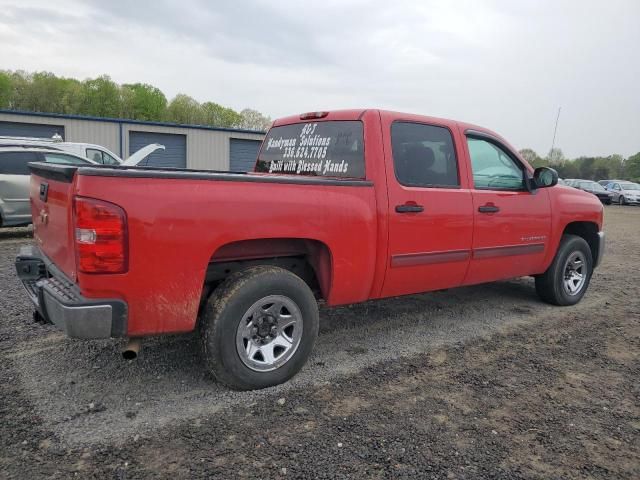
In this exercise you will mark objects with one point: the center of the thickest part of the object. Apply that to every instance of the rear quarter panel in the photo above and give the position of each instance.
(176, 225)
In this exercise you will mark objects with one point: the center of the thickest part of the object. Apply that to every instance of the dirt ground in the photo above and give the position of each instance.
(481, 382)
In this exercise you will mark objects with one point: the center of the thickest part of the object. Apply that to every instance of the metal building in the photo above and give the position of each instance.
(186, 146)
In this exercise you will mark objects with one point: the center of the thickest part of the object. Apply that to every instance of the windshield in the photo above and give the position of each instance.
(630, 186)
(328, 149)
(596, 187)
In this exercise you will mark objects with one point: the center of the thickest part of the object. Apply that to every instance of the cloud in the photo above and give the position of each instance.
(505, 65)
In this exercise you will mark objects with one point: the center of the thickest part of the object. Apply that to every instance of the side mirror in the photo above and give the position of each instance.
(544, 177)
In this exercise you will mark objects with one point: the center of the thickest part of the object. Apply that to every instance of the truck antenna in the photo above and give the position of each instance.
(553, 142)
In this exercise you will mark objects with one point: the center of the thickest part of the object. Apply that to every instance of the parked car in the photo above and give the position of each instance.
(343, 206)
(140, 155)
(604, 183)
(14, 179)
(95, 153)
(594, 188)
(625, 193)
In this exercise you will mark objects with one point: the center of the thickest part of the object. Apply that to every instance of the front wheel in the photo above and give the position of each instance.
(566, 281)
(622, 200)
(259, 328)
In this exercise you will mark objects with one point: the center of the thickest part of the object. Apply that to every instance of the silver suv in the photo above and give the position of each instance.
(14, 179)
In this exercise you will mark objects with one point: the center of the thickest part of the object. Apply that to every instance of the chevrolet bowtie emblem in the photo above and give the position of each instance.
(44, 217)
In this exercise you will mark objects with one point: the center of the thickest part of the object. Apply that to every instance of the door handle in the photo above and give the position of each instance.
(409, 208)
(489, 208)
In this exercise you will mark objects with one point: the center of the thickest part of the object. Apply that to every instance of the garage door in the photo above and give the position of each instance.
(243, 154)
(174, 154)
(19, 129)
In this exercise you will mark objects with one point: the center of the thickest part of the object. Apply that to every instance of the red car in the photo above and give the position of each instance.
(344, 206)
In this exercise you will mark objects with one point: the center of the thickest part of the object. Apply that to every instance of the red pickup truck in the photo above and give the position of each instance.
(343, 206)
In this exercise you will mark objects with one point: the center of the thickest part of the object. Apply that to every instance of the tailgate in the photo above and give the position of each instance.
(51, 193)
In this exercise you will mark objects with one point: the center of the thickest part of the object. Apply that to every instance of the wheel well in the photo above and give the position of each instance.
(309, 259)
(588, 231)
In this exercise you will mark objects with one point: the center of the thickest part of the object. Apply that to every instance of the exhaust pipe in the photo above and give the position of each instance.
(131, 349)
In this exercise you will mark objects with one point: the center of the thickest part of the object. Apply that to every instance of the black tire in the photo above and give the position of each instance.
(622, 200)
(227, 306)
(550, 285)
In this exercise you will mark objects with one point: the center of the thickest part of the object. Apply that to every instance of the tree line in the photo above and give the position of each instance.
(587, 168)
(102, 97)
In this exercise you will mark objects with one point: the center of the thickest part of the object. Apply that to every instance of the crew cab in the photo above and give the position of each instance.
(343, 207)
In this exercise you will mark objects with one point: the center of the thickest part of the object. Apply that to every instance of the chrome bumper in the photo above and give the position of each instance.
(58, 300)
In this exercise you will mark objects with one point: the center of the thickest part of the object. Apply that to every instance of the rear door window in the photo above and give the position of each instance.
(423, 155)
(62, 158)
(327, 149)
(95, 155)
(108, 159)
(16, 163)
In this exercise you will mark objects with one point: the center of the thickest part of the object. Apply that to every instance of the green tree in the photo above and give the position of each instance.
(184, 109)
(567, 170)
(101, 97)
(254, 120)
(6, 90)
(586, 167)
(632, 167)
(20, 96)
(555, 157)
(45, 92)
(72, 97)
(615, 163)
(219, 116)
(533, 158)
(141, 101)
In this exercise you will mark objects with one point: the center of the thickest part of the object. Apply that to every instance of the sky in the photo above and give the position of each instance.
(506, 65)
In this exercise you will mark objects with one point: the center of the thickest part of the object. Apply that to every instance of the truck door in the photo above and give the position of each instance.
(430, 215)
(511, 224)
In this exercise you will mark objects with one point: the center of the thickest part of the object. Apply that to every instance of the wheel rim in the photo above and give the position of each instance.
(269, 333)
(575, 273)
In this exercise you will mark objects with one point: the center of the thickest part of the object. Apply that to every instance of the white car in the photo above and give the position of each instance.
(95, 153)
(625, 193)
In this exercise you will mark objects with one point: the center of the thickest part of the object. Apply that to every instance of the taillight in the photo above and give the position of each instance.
(100, 236)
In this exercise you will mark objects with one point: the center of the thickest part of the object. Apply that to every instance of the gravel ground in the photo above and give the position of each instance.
(482, 382)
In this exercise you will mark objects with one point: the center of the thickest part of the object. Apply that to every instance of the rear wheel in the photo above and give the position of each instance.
(259, 328)
(567, 279)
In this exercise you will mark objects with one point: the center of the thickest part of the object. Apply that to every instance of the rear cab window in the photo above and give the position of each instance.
(332, 148)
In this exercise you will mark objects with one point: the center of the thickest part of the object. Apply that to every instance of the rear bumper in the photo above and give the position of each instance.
(59, 301)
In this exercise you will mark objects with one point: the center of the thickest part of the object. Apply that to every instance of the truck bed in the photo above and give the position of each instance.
(192, 219)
